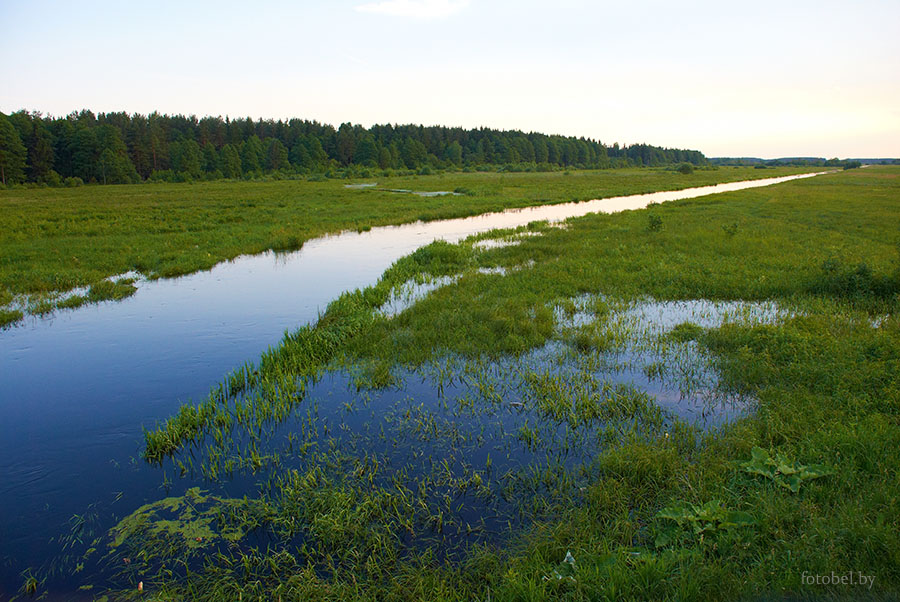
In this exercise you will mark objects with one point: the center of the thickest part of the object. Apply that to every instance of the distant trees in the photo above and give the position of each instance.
(793, 162)
(276, 156)
(187, 158)
(231, 161)
(366, 152)
(252, 154)
(454, 153)
(121, 148)
(113, 165)
(413, 153)
(12, 153)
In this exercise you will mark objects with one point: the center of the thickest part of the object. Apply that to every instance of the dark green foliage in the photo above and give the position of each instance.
(211, 160)
(12, 153)
(231, 162)
(688, 523)
(860, 283)
(730, 229)
(113, 165)
(187, 158)
(252, 156)
(276, 155)
(188, 148)
(782, 471)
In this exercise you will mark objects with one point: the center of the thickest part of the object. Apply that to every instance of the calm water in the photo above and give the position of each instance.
(79, 387)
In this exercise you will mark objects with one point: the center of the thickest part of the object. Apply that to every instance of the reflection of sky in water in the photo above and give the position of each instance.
(79, 386)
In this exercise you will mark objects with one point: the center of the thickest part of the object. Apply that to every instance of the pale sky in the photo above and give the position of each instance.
(762, 78)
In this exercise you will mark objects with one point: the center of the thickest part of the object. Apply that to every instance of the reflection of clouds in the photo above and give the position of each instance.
(422, 9)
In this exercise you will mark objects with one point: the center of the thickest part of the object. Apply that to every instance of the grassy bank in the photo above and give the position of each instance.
(525, 467)
(59, 239)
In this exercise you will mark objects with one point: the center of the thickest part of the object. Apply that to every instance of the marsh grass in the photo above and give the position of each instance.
(467, 449)
(9, 317)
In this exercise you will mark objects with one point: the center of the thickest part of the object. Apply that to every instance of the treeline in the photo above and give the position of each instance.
(118, 148)
(795, 162)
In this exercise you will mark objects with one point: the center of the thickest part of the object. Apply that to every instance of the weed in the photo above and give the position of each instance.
(698, 521)
(782, 471)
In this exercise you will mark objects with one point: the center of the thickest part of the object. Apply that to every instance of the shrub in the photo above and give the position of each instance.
(685, 168)
(162, 175)
(52, 179)
(839, 280)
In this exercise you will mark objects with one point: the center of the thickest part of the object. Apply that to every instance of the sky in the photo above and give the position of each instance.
(764, 78)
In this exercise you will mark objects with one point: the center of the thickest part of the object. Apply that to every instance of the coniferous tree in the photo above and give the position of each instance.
(81, 144)
(115, 167)
(12, 153)
(231, 162)
(454, 153)
(276, 155)
(413, 153)
(186, 158)
(252, 158)
(210, 158)
(366, 152)
(85, 153)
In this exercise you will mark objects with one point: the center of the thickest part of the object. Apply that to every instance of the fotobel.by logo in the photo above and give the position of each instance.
(851, 578)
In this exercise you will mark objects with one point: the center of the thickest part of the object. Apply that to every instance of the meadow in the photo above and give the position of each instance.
(507, 431)
(59, 239)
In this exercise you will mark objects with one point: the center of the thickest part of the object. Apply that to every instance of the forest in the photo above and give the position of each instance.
(119, 148)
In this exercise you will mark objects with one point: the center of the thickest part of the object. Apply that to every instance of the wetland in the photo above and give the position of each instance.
(669, 402)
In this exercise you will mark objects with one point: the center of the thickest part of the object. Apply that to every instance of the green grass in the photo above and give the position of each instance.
(59, 239)
(9, 316)
(806, 483)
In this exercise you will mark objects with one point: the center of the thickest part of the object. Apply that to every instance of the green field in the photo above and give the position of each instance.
(57, 239)
(804, 483)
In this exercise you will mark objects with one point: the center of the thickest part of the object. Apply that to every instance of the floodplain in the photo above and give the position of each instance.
(690, 401)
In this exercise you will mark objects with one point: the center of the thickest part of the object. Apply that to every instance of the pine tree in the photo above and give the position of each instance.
(231, 161)
(251, 154)
(12, 153)
(276, 155)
